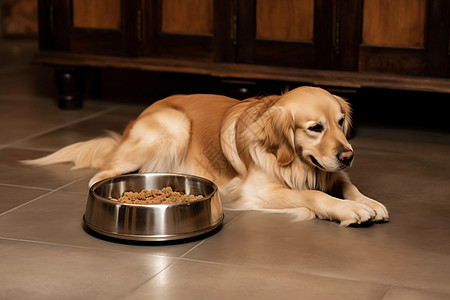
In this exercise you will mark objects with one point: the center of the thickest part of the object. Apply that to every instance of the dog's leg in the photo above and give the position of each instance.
(264, 193)
(155, 143)
(322, 205)
(351, 192)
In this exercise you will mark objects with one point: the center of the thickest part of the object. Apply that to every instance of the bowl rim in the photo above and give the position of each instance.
(199, 178)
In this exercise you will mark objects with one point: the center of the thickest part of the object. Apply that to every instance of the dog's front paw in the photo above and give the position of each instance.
(351, 212)
(380, 209)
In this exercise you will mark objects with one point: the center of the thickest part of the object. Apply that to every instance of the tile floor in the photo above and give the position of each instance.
(46, 254)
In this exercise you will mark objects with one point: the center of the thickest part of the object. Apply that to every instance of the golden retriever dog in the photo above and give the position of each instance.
(283, 154)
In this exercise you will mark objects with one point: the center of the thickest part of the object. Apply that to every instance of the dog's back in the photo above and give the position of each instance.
(171, 135)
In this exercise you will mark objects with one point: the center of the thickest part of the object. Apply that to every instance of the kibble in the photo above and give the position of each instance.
(163, 196)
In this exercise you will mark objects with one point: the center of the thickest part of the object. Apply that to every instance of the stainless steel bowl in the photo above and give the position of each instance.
(155, 222)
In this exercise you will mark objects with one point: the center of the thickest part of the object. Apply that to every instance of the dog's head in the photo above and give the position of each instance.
(320, 122)
(308, 123)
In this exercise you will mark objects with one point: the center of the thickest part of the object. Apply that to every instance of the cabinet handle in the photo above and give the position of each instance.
(337, 27)
(139, 25)
(337, 38)
(51, 16)
(233, 29)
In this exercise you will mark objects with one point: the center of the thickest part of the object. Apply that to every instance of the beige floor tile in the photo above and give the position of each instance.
(48, 177)
(197, 280)
(13, 196)
(323, 248)
(114, 119)
(28, 116)
(43, 271)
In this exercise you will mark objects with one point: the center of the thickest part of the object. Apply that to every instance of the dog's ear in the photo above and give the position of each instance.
(279, 135)
(262, 122)
(347, 110)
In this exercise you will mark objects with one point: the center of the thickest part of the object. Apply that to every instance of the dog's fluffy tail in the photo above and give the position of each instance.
(89, 154)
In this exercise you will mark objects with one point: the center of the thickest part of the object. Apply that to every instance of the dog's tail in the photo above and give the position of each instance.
(89, 154)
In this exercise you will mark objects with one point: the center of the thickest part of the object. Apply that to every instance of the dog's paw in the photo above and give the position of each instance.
(351, 212)
(380, 209)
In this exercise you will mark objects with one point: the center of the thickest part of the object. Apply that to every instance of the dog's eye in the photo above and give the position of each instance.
(316, 128)
(341, 122)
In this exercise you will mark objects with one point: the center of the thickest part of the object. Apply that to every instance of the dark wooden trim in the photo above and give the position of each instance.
(224, 46)
(97, 41)
(131, 31)
(151, 26)
(350, 20)
(324, 29)
(407, 61)
(337, 34)
(437, 38)
(341, 79)
(53, 24)
(245, 12)
(45, 39)
(295, 54)
(188, 46)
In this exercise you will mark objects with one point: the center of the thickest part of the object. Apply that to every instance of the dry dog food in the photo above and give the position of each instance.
(164, 196)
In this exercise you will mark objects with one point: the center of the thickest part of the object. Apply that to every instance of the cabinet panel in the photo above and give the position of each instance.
(393, 36)
(98, 14)
(184, 28)
(276, 32)
(99, 26)
(294, 19)
(187, 16)
(394, 23)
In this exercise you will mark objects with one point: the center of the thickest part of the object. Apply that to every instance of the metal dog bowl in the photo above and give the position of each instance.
(153, 222)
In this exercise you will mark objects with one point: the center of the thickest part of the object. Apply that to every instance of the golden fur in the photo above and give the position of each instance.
(278, 153)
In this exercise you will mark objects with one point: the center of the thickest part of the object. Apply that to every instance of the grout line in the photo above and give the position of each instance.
(61, 126)
(387, 292)
(204, 240)
(26, 203)
(152, 277)
(193, 248)
(77, 246)
(25, 187)
(44, 195)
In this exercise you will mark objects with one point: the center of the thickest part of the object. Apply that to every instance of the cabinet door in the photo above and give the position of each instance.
(276, 32)
(104, 26)
(183, 28)
(299, 33)
(405, 36)
(89, 26)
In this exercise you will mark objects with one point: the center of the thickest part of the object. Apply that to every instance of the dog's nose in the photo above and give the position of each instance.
(345, 157)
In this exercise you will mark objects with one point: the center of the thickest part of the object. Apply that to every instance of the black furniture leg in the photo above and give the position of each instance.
(69, 83)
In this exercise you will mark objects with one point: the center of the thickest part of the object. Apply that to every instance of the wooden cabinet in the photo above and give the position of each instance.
(401, 44)
(405, 37)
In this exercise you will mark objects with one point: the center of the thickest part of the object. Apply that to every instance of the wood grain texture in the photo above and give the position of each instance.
(285, 19)
(98, 14)
(188, 16)
(394, 22)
